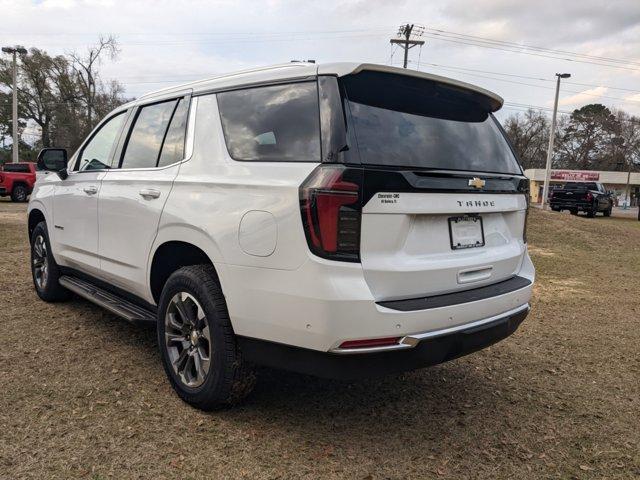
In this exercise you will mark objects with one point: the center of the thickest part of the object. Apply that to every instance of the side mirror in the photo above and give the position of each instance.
(53, 160)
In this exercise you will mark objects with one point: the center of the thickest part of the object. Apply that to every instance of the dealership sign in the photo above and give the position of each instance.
(575, 175)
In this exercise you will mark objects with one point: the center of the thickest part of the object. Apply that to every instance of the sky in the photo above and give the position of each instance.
(166, 43)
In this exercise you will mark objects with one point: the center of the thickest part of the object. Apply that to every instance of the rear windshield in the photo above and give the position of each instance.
(410, 122)
(22, 168)
(581, 186)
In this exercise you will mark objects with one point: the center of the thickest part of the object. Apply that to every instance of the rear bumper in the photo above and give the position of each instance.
(324, 303)
(580, 206)
(420, 350)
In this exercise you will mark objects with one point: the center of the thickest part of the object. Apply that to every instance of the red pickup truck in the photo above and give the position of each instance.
(17, 180)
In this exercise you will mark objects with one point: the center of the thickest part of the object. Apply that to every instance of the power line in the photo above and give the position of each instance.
(437, 36)
(532, 78)
(532, 47)
(533, 85)
(524, 106)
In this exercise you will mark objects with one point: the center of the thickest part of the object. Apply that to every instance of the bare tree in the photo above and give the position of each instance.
(60, 95)
(85, 67)
(529, 134)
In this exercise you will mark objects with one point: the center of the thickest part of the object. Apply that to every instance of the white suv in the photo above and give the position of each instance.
(342, 220)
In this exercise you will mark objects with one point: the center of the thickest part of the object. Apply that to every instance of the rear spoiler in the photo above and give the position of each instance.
(492, 101)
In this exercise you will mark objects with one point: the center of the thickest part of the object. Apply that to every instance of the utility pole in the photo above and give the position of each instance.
(15, 50)
(627, 200)
(552, 137)
(405, 40)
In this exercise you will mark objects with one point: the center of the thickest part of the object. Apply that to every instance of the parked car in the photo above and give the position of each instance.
(17, 180)
(241, 216)
(589, 197)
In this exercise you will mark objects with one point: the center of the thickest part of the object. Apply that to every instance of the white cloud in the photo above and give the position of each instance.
(166, 41)
(587, 96)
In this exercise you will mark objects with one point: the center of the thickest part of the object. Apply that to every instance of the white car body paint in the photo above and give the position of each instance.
(245, 216)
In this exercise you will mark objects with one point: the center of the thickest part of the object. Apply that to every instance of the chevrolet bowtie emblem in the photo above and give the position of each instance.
(476, 182)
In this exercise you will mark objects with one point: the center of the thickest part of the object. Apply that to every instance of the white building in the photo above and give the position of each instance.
(616, 181)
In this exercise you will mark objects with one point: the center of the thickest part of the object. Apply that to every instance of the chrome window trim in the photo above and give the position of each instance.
(188, 148)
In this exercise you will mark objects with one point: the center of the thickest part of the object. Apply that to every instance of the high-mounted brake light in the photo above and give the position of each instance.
(331, 210)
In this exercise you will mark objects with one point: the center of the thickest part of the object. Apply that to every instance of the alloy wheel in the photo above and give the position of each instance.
(187, 339)
(40, 264)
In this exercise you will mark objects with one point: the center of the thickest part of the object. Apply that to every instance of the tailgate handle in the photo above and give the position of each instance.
(474, 274)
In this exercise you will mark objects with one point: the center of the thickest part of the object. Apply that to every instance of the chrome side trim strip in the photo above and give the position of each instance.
(410, 341)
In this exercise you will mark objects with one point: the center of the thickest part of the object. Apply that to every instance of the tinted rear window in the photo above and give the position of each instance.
(16, 168)
(173, 146)
(410, 122)
(274, 123)
(145, 140)
(581, 186)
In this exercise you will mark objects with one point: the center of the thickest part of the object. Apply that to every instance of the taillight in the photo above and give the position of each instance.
(331, 210)
(523, 186)
(589, 197)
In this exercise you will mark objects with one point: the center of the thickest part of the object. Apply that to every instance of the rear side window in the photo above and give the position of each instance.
(147, 135)
(173, 146)
(274, 123)
(403, 121)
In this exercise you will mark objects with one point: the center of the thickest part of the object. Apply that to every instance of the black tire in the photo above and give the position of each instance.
(607, 212)
(574, 212)
(48, 286)
(19, 193)
(229, 379)
(591, 213)
(555, 209)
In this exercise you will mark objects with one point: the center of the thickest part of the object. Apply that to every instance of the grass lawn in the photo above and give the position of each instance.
(83, 394)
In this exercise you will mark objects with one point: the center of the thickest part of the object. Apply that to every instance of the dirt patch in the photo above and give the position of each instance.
(83, 395)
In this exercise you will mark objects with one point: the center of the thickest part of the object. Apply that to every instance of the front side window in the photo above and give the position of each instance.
(147, 134)
(96, 155)
(274, 123)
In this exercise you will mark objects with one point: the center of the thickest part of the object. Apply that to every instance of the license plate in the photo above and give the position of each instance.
(466, 232)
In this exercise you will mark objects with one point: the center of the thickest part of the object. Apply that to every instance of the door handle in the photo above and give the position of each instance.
(90, 190)
(149, 193)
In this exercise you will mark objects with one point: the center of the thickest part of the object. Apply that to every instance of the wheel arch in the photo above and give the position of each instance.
(36, 215)
(173, 253)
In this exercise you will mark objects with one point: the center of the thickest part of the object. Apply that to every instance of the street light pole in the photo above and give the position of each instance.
(14, 86)
(552, 137)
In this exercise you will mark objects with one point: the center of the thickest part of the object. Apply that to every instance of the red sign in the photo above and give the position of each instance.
(575, 175)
